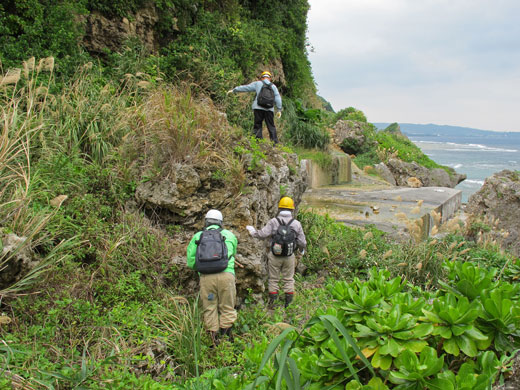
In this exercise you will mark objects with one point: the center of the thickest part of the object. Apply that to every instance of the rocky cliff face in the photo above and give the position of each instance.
(499, 201)
(102, 33)
(185, 197)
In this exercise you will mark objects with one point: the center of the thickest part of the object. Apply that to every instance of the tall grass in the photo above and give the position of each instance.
(182, 321)
(23, 100)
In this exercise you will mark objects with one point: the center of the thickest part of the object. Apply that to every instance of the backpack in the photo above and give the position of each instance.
(266, 96)
(211, 256)
(284, 240)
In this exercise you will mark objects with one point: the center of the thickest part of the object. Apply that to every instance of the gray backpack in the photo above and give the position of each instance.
(211, 256)
(266, 96)
(284, 239)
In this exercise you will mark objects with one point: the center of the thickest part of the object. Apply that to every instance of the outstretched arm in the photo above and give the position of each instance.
(246, 88)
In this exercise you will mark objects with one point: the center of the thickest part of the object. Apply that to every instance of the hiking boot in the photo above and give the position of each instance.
(227, 332)
(272, 300)
(288, 299)
(214, 336)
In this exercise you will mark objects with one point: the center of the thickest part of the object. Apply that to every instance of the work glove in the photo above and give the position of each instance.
(278, 114)
(250, 229)
(228, 92)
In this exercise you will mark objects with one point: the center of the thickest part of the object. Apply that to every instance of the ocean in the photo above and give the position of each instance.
(476, 156)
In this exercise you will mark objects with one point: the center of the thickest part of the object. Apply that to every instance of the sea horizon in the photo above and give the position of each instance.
(477, 153)
(477, 160)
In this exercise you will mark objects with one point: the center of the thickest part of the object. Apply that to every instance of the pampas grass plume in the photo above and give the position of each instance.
(12, 77)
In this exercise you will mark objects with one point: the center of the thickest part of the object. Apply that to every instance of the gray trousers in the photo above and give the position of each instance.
(280, 267)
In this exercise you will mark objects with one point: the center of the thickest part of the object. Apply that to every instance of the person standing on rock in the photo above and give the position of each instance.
(212, 252)
(286, 234)
(267, 97)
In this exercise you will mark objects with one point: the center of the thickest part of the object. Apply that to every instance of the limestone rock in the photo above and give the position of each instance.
(437, 177)
(102, 32)
(16, 259)
(184, 197)
(414, 182)
(499, 199)
(350, 136)
(385, 173)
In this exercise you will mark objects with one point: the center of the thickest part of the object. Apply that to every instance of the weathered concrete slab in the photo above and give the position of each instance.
(397, 210)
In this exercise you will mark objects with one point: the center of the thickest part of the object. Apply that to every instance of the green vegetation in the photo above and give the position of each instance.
(104, 309)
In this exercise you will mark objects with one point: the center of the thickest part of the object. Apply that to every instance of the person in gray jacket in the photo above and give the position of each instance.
(279, 264)
(263, 113)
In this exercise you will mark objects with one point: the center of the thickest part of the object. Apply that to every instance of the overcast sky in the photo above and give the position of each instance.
(448, 62)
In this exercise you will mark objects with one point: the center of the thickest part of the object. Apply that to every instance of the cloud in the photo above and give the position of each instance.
(461, 56)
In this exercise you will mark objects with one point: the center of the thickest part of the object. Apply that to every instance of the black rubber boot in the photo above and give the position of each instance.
(227, 332)
(288, 299)
(272, 300)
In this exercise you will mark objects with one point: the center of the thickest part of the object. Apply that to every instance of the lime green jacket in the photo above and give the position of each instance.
(231, 243)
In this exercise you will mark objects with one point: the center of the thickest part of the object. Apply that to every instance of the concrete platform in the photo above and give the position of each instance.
(403, 212)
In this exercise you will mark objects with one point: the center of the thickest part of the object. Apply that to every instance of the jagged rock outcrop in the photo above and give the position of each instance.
(499, 200)
(16, 260)
(384, 172)
(436, 177)
(350, 137)
(190, 191)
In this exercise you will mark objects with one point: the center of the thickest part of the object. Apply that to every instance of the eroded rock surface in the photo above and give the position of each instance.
(499, 199)
(186, 195)
(16, 259)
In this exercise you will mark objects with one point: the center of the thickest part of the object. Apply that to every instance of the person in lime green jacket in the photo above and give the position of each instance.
(217, 285)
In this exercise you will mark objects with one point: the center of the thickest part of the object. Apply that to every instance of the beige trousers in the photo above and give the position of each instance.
(218, 294)
(280, 266)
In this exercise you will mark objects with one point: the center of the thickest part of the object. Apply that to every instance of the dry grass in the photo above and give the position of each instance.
(22, 101)
(174, 126)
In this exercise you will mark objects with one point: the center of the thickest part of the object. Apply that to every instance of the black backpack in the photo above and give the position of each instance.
(211, 256)
(266, 96)
(284, 240)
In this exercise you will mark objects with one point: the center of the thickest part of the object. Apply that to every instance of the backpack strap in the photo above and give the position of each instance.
(291, 221)
(281, 222)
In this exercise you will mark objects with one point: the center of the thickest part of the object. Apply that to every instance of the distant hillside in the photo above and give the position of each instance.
(432, 130)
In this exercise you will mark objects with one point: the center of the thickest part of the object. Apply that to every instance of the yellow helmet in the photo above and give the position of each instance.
(286, 203)
(266, 74)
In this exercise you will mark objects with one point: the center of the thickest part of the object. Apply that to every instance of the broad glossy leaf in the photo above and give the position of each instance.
(390, 348)
(383, 362)
(467, 345)
(415, 345)
(430, 361)
(439, 384)
(431, 316)
(422, 330)
(451, 346)
(443, 331)
(459, 329)
(475, 334)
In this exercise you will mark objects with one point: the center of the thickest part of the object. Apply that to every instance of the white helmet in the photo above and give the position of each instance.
(214, 215)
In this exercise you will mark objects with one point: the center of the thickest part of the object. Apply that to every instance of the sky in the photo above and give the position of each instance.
(448, 62)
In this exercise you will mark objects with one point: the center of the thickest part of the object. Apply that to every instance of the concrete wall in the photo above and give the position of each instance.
(339, 172)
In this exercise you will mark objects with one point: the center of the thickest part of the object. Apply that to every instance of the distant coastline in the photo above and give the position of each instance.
(477, 153)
